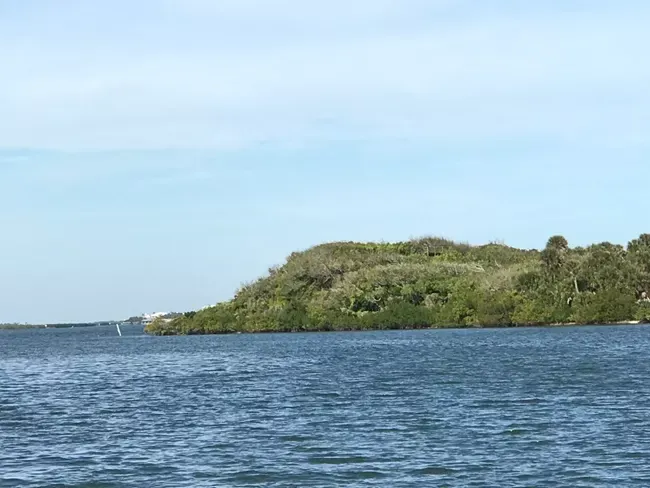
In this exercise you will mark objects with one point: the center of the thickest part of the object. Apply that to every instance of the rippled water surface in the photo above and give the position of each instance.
(493, 408)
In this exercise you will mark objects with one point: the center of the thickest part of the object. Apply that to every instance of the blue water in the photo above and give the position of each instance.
(472, 408)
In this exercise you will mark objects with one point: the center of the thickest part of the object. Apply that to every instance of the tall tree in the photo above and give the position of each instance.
(554, 255)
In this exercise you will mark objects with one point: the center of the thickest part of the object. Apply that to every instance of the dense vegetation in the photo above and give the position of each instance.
(433, 282)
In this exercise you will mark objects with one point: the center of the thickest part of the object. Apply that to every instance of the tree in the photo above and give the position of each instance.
(639, 256)
(605, 266)
(640, 244)
(554, 254)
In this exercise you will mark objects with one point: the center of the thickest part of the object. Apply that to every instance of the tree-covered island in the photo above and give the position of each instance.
(434, 282)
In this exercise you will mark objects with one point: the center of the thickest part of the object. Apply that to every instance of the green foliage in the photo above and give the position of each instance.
(639, 257)
(606, 307)
(643, 312)
(433, 282)
(554, 255)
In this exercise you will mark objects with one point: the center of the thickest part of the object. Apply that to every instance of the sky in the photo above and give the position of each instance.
(155, 155)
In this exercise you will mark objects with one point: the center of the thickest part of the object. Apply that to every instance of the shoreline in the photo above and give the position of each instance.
(441, 327)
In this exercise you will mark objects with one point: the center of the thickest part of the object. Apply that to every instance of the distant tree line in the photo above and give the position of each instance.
(20, 326)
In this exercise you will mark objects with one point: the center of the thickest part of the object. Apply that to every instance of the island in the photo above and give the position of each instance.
(433, 282)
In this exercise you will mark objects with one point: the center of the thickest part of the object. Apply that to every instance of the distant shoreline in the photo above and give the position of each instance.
(167, 333)
(21, 326)
(61, 326)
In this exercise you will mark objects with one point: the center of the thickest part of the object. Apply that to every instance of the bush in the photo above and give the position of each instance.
(605, 307)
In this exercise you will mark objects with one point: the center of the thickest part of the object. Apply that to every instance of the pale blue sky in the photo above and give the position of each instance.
(155, 154)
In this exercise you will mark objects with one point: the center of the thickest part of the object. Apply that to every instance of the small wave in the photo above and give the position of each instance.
(436, 471)
(296, 438)
(338, 460)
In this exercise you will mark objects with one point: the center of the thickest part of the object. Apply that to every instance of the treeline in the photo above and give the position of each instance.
(20, 326)
(434, 282)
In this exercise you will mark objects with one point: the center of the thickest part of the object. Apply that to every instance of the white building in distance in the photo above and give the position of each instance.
(150, 317)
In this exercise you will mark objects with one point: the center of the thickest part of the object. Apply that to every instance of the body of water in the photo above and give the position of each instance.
(541, 407)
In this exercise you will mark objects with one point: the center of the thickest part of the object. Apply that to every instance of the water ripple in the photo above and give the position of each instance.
(476, 408)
